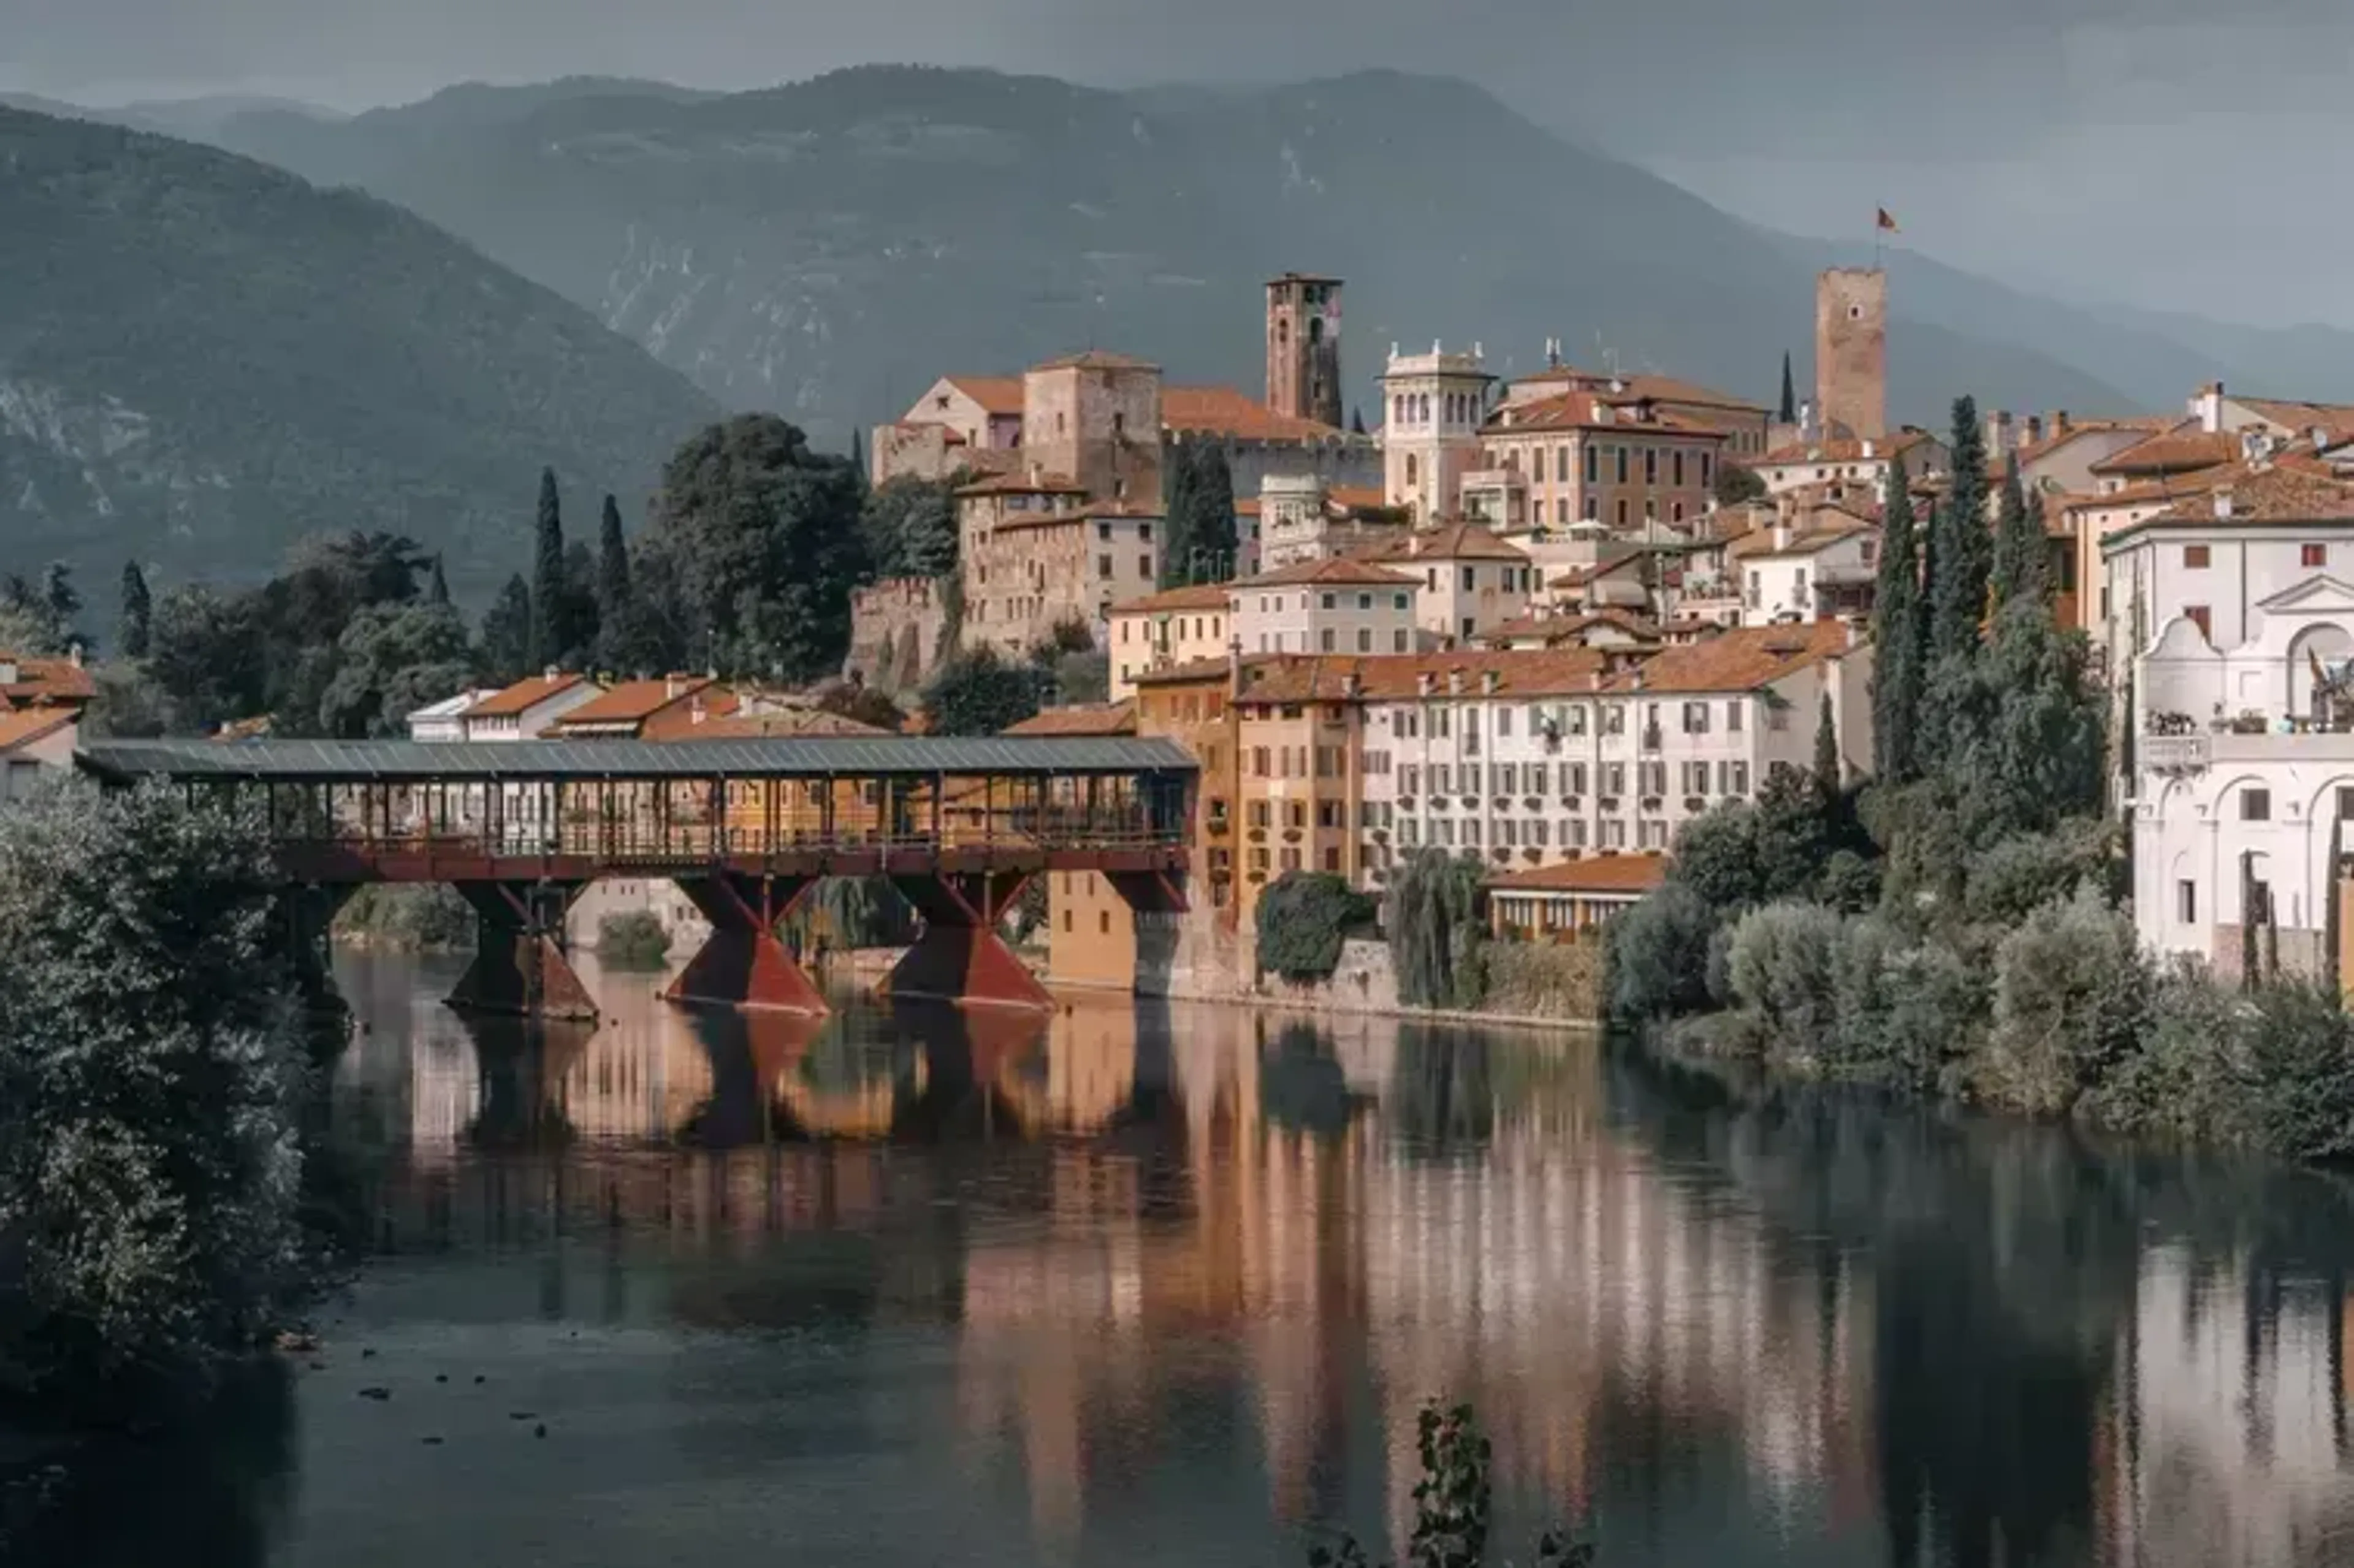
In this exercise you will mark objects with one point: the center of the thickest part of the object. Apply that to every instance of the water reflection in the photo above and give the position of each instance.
(1166, 1284)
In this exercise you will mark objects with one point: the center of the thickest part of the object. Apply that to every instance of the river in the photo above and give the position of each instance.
(1148, 1285)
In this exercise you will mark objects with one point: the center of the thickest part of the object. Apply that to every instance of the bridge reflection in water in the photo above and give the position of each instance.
(1872, 1328)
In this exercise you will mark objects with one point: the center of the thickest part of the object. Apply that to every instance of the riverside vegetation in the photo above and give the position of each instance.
(1954, 926)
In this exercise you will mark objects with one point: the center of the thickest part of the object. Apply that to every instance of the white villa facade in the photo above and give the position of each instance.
(2231, 616)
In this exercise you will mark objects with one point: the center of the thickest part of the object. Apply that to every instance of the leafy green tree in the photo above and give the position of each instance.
(1734, 485)
(1964, 547)
(2019, 548)
(1439, 930)
(1787, 413)
(977, 693)
(391, 661)
(507, 632)
(206, 654)
(763, 536)
(2072, 1000)
(2030, 736)
(1898, 636)
(138, 613)
(152, 1065)
(1302, 919)
(1658, 955)
(59, 596)
(550, 634)
(911, 526)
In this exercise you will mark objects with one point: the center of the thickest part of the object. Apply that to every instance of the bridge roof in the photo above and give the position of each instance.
(799, 757)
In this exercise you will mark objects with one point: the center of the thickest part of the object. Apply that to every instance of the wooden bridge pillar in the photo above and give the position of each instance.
(519, 960)
(960, 958)
(744, 963)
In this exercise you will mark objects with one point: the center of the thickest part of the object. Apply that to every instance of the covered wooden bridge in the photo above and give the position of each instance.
(745, 826)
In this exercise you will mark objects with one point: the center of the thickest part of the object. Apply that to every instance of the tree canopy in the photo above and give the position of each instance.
(977, 693)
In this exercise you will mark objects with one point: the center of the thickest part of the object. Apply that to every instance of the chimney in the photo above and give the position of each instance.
(1352, 687)
(1854, 632)
(2210, 409)
(73, 653)
(550, 673)
(1425, 682)
(2059, 422)
(1489, 681)
(2034, 429)
(1870, 451)
(2223, 501)
(1593, 681)
(1455, 682)
(673, 686)
(1234, 668)
(1997, 432)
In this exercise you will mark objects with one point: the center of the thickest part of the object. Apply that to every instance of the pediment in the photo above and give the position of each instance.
(2320, 594)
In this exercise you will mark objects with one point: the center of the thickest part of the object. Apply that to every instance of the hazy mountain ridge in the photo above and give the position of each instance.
(202, 358)
(827, 248)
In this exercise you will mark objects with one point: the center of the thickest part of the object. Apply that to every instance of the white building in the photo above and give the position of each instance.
(525, 710)
(1302, 518)
(1526, 758)
(1436, 403)
(2227, 614)
(445, 720)
(1822, 461)
(1471, 580)
(1805, 568)
(1334, 606)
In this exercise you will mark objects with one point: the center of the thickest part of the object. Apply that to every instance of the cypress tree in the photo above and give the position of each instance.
(613, 565)
(857, 459)
(437, 589)
(1788, 412)
(549, 632)
(1897, 634)
(1213, 527)
(1356, 421)
(507, 632)
(1963, 546)
(1179, 542)
(2019, 566)
(1826, 753)
(137, 612)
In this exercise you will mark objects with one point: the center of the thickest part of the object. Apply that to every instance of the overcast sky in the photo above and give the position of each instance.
(2173, 154)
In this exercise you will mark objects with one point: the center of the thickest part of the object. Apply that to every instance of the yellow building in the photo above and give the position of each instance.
(1177, 626)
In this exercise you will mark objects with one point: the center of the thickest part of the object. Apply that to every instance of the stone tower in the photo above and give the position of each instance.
(1433, 406)
(1851, 352)
(1094, 417)
(1303, 347)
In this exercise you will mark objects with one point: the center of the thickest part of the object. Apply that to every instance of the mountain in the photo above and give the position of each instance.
(203, 358)
(826, 249)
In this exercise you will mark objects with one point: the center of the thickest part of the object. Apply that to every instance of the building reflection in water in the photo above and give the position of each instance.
(1677, 1312)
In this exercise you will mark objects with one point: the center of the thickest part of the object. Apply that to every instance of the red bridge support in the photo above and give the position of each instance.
(960, 958)
(519, 962)
(745, 964)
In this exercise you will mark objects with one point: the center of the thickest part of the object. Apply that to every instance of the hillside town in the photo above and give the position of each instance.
(1545, 622)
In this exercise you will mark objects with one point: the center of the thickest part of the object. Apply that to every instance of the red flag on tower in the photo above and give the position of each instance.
(1887, 224)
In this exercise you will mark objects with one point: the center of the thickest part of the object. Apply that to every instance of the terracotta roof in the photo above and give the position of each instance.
(1627, 873)
(1081, 718)
(21, 727)
(634, 701)
(1356, 497)
(523, 697)
(2154, 492)
(1660, 389)
(1023, 485)
(1195, 596)
(1394, 677)
(1097, 359)
(2183, 447)
(1760, 542)
(1222, 410)
(995, 394)
(2298, 417)
(47, 681)
(1452, 542)
(1558, 628)
(1577, 410)
(1332, 570)
(1740, 659)
(2030, 452)
(1842, 450)
(2281, 493)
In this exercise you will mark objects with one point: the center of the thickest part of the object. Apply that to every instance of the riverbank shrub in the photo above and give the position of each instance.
(2072, 1003)
(409, 917)
(633, 939)
(153, 1068)
(1782, 972)
(1543, 980)
(1303, 918)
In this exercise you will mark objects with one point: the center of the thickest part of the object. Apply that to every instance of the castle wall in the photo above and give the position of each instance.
(895, 632)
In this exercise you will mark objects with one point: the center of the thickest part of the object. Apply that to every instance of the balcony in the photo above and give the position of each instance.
(2174, 753)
